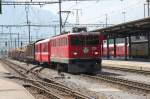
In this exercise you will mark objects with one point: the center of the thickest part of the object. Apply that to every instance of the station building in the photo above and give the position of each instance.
(134, 37)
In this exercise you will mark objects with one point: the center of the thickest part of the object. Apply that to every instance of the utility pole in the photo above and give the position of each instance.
(145, 10)
(148, 7)
(6, 45)
(28, 22)
(15, 43)
(106, 19)
(0, 6)
(21, 44)
(29, 31)
(77, 15)
(10, 37)
(37, 32)
(60, 18)
(55, 29)
(124, 16)
(18, 40)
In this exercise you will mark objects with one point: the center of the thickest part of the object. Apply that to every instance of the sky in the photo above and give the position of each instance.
(96, 11)
(17, 15)
(91, 12)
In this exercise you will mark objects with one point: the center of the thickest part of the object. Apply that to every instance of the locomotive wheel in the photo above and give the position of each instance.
(65, 67)
(98, 68)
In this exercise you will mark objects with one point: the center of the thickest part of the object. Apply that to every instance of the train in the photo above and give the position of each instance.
(139, 49)
(74, 52)
(120, 50)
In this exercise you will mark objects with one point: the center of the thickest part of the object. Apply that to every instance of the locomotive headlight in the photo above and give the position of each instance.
(75, 53)
(96, 53)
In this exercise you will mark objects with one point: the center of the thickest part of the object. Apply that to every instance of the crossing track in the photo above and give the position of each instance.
(51, 88)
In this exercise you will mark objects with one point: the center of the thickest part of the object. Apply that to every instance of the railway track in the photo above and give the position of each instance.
(50, 88)
(128, 70)
(121, 81)
(65, 91)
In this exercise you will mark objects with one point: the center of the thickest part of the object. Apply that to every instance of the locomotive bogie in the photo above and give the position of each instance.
(84, 65)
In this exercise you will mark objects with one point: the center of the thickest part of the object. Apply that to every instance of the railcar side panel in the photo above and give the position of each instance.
(60, 49)
(42, 52)
(30, 52)
(38, 52)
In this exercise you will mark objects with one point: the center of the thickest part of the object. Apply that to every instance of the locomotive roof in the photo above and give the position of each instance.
(88, 33)
(79, 33)
(63, 35)
(43, 41)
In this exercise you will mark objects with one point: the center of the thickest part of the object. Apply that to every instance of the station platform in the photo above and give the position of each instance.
(10, 89)
(134, 65)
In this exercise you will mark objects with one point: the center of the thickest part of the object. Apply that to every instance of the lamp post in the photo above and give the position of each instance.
(106, 18)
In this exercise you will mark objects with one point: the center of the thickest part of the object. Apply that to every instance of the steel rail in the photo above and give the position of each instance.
(47, 93)
(19, 72)
(44, 84)
(121, 81)
(128, 70)
(51, 85)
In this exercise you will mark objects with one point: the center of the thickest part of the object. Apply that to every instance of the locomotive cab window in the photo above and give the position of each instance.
(85, 40)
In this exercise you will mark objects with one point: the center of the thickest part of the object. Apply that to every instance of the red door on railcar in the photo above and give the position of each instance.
(42, 52)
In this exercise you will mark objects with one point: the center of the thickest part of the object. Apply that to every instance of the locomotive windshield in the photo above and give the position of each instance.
(85, 40)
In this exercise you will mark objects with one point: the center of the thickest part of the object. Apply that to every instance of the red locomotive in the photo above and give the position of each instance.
(78, 52)
(72, 52)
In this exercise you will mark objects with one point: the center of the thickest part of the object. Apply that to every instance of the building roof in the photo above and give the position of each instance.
(128, 28)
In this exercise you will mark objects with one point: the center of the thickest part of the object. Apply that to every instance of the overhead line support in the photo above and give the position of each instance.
(148, 7)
